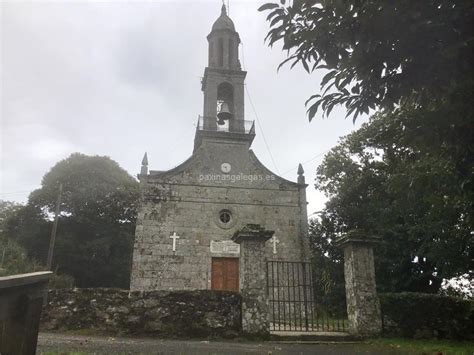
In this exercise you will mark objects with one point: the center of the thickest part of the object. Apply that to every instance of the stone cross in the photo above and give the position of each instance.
(275, 241)
(174, 237)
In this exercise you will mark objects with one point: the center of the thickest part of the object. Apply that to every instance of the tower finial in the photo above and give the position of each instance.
(144, 169)
(300, 169)
(301, 180)
(223, 9)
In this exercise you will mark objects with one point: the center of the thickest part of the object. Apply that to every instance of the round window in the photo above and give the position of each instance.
(225, 216)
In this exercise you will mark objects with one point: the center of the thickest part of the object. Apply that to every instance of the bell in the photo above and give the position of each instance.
(224, 114)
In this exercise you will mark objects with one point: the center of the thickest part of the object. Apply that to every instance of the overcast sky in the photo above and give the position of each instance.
(119, 78)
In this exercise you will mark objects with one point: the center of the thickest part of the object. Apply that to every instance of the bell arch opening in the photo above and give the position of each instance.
(225, 103)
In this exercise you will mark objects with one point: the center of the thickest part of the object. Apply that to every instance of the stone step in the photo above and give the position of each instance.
(321, 337)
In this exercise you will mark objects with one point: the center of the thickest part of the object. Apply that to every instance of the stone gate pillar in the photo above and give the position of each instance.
(255, 308)
(363, 306)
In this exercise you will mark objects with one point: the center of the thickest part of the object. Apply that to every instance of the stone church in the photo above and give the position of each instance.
(188, 214)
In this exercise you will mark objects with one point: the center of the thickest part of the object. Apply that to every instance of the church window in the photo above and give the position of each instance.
(220, 52)
(225, 216)
(231, 52)
(211, 50)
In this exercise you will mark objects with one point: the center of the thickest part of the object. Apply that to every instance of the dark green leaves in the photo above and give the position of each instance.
(268, 6)
(96, 228)
(390, 50)
(401, 178)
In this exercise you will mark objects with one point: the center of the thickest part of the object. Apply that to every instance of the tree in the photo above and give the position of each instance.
(379, 54)
(328, 268)
(407, 175)
(13, 258)
(382, 180)
(96, 225)
(7, 209)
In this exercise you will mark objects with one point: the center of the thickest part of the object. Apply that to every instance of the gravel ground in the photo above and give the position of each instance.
(63, 344)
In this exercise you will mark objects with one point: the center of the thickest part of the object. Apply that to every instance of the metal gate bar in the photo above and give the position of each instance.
(292, 304)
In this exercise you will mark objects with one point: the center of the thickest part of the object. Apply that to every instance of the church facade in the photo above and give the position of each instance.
(188, 214)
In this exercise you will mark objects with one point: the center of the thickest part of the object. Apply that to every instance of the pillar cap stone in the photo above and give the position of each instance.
(252, 232)
(356, 236)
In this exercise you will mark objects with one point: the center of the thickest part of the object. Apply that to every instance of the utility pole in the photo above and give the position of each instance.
(52, 240)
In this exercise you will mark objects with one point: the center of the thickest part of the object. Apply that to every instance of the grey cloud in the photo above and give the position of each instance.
(122, 78)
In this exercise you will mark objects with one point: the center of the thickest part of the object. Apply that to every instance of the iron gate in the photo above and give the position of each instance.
(291, 297)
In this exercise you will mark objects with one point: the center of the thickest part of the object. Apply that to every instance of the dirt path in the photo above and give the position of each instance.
(63, 344)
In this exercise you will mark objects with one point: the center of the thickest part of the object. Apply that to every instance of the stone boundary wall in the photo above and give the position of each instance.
(159, 313)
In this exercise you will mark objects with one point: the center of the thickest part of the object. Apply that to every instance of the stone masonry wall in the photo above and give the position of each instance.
(255, 308)
(182, 201)
(363, 307)
(162, 313)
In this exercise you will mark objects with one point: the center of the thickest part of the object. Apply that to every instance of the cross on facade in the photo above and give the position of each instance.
(174, 236)
(275, 241)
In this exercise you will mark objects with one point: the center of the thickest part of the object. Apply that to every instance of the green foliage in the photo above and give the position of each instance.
(418, 346)
(31, 230)
(392, 178)
(96, 225)
(14, 259)
(378, 54)
(426, 315)
(328, 269)
(59, 281)
(407, 175)
(7, 209)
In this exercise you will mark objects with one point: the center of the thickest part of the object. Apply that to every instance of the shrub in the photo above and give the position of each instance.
(59, 281)
(14, 260)
(419, 315)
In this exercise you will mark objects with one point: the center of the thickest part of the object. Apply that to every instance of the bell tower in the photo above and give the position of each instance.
(188, 214)
(223, 81)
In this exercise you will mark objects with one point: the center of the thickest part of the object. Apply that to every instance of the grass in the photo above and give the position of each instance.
(428, 347)
(86, 332)
(383, 346)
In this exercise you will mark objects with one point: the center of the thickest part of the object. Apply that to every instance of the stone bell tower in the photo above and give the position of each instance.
(188, 214)
(223, 81)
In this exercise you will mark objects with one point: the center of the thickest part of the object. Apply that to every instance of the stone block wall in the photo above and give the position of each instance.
(160, 313)
(255, 314)
(185, 202)
(363, 307)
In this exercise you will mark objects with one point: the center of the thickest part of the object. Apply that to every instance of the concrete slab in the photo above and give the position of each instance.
(319, 337)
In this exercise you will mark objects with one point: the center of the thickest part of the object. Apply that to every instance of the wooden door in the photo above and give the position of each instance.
(225, 274)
